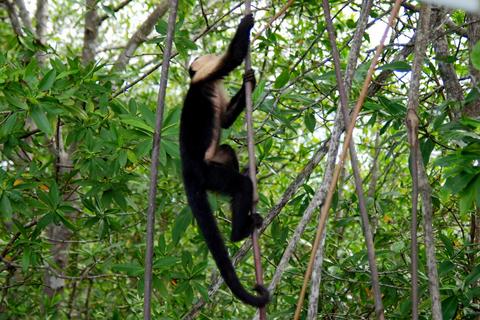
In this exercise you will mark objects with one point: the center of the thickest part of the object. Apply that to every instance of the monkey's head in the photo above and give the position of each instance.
(202, 66)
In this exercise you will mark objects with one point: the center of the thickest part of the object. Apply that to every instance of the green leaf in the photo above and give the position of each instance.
(15, 101)
(473, 276)
(459, 182)
(171, 148)
(41, 120)
(182, 221)
(5, 207)
(131, 269)
(448, 244)
(449, 307)
(47, 81)
(426, 146)
(310, 121)
(26, 258)
(165, 262)
(44, 221)
(64, 220)
(401, 66)
(476, 55)
(137, 123)
(282, 79)
(9, 125)
(445, 267)
(161, 27)
(467, 198)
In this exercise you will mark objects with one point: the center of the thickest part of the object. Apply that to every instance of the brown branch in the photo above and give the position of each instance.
(252, 164)
(155, 156)
(140, 36)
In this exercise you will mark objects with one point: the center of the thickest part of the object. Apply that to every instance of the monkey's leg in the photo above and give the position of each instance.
(226, 156)
(223, 179)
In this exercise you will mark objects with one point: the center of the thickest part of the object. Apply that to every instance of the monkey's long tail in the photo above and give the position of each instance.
(197, 198)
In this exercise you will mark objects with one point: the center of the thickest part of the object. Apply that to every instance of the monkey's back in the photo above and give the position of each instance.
(196, 125)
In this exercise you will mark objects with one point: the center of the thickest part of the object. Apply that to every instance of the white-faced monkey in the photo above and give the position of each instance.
(209, 166)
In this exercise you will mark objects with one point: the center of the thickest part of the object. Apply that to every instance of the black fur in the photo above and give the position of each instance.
(199, 176)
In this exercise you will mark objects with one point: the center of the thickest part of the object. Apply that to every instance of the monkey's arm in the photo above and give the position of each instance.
(237, 103)
(236, 52)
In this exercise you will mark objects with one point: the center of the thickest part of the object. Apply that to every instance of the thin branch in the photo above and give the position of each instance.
(252, 164)
(155, 156)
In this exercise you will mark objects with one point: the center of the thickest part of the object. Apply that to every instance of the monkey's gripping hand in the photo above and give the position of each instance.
(247, 22)
(249, 76)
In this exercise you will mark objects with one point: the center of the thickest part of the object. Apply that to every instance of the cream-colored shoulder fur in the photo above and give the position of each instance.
(205, 66)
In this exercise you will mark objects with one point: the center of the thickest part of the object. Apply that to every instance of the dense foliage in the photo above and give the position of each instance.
(75, 158)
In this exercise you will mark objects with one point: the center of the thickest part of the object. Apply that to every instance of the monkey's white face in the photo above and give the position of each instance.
(203, 66)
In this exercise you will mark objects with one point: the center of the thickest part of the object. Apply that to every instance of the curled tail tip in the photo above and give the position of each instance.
(263, 295)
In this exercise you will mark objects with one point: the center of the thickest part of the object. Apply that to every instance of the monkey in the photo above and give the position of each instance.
(209, 166)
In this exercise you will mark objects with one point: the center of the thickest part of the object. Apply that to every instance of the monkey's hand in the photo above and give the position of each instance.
(247, 22)
(249, 76)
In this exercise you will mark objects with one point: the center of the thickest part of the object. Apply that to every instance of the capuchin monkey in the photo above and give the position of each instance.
(207, 165)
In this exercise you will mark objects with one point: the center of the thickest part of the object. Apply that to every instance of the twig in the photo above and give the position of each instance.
(348, 137)
(155, 155)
